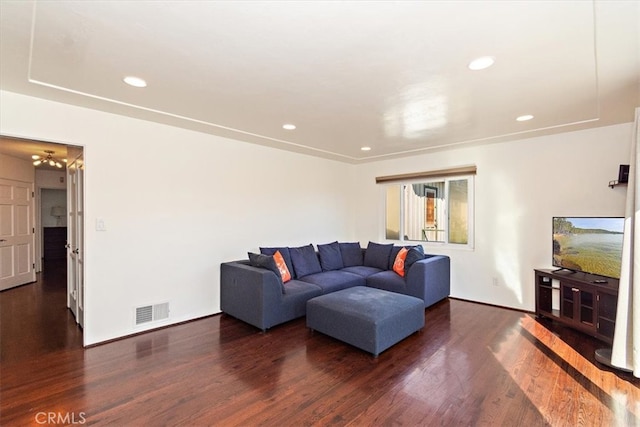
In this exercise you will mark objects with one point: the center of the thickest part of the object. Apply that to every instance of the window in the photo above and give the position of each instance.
(434, 210)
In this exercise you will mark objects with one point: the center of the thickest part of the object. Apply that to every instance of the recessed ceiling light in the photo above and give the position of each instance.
(365, 148)
(288, 126)
(482, 63)
(135, 81)
(524, 118)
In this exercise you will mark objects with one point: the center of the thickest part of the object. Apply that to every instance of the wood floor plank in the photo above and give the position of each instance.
(472, 364)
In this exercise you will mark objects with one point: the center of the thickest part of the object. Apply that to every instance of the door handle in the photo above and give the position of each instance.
(76, 251)
(3, 240)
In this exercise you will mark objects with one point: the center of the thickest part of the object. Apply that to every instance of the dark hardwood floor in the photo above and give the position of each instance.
(471, 365)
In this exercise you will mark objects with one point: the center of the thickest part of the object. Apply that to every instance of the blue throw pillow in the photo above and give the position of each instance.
(377, 255)
(266, 261)
(285, 254)
(305, 261)
(351, 254)
(413, 255)
(330, 256)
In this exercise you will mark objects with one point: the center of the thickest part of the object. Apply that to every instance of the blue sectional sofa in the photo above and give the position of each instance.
(254, 291)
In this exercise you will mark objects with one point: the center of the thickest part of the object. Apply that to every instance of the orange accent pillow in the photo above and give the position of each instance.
(282, 266)
(398, 264)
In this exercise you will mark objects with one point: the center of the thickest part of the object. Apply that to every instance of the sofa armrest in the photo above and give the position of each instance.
(250, 294)
(430, 279)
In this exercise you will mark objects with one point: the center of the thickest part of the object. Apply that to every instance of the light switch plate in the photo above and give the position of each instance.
(100, 225)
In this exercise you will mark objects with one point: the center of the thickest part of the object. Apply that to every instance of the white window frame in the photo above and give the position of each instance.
(470, 210)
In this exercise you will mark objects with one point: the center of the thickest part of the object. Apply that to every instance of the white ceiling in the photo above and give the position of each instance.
(390, 75)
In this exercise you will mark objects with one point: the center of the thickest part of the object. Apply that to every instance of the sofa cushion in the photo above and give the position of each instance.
(388, 281)
(285, 254)
(362, 270)
(330, 281)
(294, 301)
(351, 253)
(330, 256)
(377, 255)
(305, 261)
(396, 249)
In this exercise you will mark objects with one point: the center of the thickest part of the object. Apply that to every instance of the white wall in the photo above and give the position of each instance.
(16, 169)
(51, 179)
(176, 204)
(48, 199)
(519, 187)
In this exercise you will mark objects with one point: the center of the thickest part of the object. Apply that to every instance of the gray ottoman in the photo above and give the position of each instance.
(368, 318)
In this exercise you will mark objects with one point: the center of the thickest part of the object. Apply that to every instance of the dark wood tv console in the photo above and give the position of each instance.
(576, 300)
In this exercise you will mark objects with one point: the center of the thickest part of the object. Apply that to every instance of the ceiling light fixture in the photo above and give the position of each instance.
(48, 160)
(135, 81)
(365, 148)
(482, 63)
(524, 118)
(288, 126)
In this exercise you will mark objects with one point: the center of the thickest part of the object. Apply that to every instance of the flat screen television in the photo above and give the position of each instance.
(588, 244)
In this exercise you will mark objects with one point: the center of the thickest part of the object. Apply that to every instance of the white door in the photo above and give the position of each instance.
(17, 234)
(75, 239)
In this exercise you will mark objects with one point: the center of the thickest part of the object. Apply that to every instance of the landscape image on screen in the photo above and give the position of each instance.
(591, 245)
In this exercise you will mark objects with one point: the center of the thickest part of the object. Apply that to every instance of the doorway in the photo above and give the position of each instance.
(59, 223)
(53, 226)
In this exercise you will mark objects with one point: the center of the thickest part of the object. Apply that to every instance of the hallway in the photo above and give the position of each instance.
(34, 319)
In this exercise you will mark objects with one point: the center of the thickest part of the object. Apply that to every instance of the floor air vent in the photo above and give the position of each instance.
(151, 313)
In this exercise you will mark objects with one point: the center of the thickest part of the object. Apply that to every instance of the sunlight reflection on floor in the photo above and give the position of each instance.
(595, 385)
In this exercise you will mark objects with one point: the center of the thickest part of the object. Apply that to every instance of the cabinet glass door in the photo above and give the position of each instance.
(607, 314)
(586, 307)
(568, 302)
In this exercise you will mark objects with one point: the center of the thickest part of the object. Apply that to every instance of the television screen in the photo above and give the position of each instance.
(588, 244)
